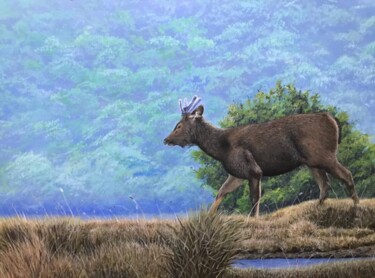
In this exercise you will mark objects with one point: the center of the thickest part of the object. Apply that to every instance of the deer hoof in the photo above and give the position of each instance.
(355, 200)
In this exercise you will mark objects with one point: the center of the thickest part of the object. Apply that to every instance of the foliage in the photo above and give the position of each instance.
(355, 151)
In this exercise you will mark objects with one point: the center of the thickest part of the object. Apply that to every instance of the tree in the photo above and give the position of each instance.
(355, 151)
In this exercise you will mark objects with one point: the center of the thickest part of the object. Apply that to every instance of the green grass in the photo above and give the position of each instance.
(201, 245)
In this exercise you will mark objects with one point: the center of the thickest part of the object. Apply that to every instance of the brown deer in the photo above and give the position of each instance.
(252, 151)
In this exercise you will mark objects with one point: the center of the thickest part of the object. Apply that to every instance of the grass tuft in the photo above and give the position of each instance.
(204, 245)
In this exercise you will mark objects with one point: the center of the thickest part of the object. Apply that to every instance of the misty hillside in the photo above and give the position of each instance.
(89, 89)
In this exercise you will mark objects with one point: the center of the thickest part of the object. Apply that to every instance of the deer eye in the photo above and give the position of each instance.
(179, 126)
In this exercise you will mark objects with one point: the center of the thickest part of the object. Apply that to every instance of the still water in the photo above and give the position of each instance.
(286, 263)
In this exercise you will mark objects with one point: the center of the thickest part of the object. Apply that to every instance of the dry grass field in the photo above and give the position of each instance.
(200, 245)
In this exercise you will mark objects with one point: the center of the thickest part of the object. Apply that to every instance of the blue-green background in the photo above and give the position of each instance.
(89, 89)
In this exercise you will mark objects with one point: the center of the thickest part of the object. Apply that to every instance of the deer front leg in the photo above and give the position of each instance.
(255, 175)
(255, 194)
(228, 186)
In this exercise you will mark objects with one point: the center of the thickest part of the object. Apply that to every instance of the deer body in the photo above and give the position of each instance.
(251, 151)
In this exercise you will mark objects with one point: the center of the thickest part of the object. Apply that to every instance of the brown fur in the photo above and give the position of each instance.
(268, 149)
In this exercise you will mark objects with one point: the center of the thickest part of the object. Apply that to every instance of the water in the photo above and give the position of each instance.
(287, 263)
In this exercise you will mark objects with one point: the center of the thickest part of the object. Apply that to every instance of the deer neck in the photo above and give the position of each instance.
(211, 140)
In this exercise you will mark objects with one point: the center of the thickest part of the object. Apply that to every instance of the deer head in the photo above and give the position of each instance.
(184, 131)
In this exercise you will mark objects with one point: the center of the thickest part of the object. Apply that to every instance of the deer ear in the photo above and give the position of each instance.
(197, 113)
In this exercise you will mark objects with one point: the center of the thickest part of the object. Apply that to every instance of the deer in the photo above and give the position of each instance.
(252, 151)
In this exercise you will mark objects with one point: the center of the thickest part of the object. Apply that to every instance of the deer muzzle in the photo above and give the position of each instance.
(167, 141)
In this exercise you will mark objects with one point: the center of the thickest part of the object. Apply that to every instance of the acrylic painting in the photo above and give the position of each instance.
(191, 138)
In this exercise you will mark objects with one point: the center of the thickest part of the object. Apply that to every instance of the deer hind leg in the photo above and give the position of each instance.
(228, 186)
(322, 180)
(344, 175)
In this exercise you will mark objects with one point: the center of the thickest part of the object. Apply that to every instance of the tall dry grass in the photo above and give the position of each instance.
(198, 246)
(75, 248)
(335, 229)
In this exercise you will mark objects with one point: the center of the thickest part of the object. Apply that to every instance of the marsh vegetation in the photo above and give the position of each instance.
(201, 245)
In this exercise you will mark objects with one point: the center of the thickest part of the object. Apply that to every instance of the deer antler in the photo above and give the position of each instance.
(189, 107)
